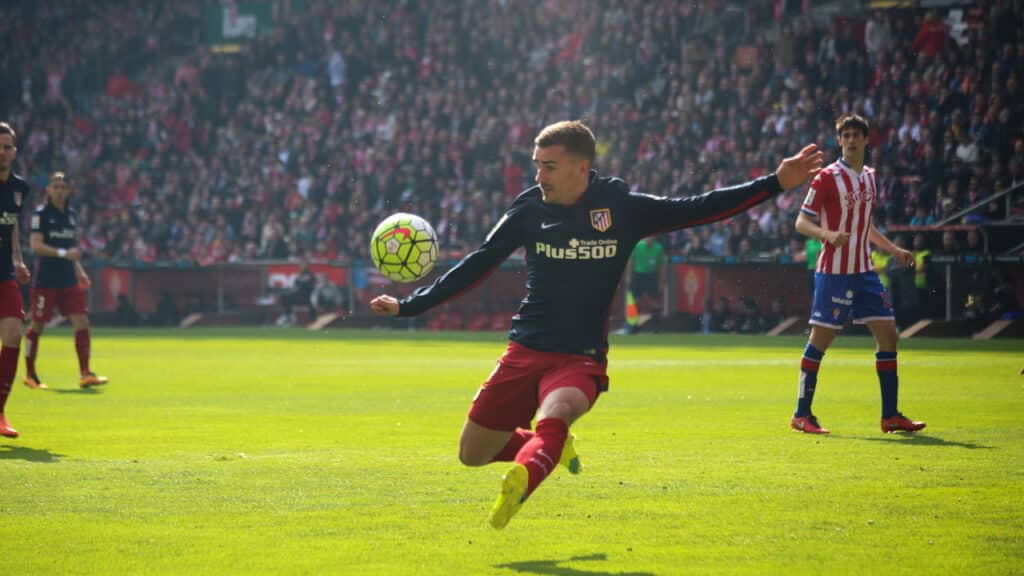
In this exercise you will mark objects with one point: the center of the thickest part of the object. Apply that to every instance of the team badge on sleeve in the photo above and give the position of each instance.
(17, 197)
(601, 219)
(35, 222)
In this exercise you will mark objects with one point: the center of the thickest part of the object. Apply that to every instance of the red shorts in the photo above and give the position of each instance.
(11, 303)
(70, 300)
(523, 378)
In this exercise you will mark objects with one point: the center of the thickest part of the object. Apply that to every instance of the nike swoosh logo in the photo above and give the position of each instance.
(546, 225)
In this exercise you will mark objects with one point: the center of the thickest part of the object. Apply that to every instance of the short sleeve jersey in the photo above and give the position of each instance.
(59, 230)
(13, 195)
(842, 199)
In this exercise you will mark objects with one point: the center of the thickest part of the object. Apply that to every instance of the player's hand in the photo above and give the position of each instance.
(837, 238)
(21, 273)
(796, 170)
(385, 304)
(74, 254)
(83, 280)
(905, 257)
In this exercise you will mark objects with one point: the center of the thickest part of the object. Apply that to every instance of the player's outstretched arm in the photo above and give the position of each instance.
(799, 168)
(653, 214)
(385, 304)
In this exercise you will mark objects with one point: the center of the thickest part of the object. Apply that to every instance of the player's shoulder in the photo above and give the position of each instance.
(42, 209)
(530, 194)
(610, 184)
(16, 182)
(828, 174)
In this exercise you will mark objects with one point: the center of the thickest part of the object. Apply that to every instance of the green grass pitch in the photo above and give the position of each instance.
(219, 451)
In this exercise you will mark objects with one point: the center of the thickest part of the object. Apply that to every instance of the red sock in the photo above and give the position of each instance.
(31, 350)
(541, 453)
(8, 368)
(515, 443)
(82, 347)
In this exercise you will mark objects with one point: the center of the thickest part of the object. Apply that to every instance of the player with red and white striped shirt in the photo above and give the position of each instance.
(841, 199)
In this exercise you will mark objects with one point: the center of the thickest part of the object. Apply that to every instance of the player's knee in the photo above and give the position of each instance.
(473, 457)
(566, 411)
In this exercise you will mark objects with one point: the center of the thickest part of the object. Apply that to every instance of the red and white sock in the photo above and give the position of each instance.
(541, 453)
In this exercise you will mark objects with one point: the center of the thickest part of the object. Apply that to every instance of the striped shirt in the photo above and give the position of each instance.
(841, 199)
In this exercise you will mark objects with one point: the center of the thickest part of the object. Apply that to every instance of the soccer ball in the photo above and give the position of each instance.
(404, 247)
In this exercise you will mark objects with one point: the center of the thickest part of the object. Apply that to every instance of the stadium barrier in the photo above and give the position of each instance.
(695, 290)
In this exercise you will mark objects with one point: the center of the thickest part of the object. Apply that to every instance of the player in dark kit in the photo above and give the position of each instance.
(579, 230)
(13, 195)
(60, 281)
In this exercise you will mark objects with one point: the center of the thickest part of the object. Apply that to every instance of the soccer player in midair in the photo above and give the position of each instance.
(841, 198)
(13, 195)
(578, 229)
(60, 281)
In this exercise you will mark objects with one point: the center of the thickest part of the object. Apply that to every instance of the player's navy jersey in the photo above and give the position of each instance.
(13, 195)
(59, 231)
(575, 256)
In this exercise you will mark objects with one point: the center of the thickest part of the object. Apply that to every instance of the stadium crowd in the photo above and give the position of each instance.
(297, 145)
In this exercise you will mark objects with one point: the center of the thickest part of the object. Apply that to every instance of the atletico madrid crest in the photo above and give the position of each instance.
(601, 219)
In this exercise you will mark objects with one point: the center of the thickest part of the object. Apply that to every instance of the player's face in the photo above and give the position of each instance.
(562, 176)
(58, 190)
(853, 141)
(7, 152)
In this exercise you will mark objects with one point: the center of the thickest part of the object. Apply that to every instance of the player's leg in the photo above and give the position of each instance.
(480, 445)
(498, 421)
(32, 337)
(10, 338)
(566, 394)
(41, 302)
(873, 308)
(83, 348)
(73, 304)
(541, 454)
(886, 338)
(827, 316)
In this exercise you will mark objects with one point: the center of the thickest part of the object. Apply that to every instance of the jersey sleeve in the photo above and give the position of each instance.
(502, 240)
(817, 193)
(656, 214)
(36, 222)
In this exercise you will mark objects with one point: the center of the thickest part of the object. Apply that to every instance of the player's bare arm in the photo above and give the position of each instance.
(43, 249)
(904, 257)
(799, 168)
(20, 270)
(83, 277)
(808, 227)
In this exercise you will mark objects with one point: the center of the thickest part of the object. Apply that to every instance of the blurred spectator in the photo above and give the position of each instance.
(296, 146)
(166, 313)
(125, 314)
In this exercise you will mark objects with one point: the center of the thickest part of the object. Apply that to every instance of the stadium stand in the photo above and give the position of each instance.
(294, 145)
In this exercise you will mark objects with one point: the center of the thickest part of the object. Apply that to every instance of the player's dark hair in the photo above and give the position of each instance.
(58, 175)
(851, 121)
(573, 135)
(5, 128)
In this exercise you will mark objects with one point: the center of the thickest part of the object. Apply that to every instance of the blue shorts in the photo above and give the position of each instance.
(837, 295)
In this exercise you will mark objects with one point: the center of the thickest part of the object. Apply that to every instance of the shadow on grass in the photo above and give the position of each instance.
(917, 439)
(551, 567)
(29, 454)
(91, 391)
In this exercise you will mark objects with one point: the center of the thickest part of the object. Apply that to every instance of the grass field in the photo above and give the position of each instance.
(285, 452)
